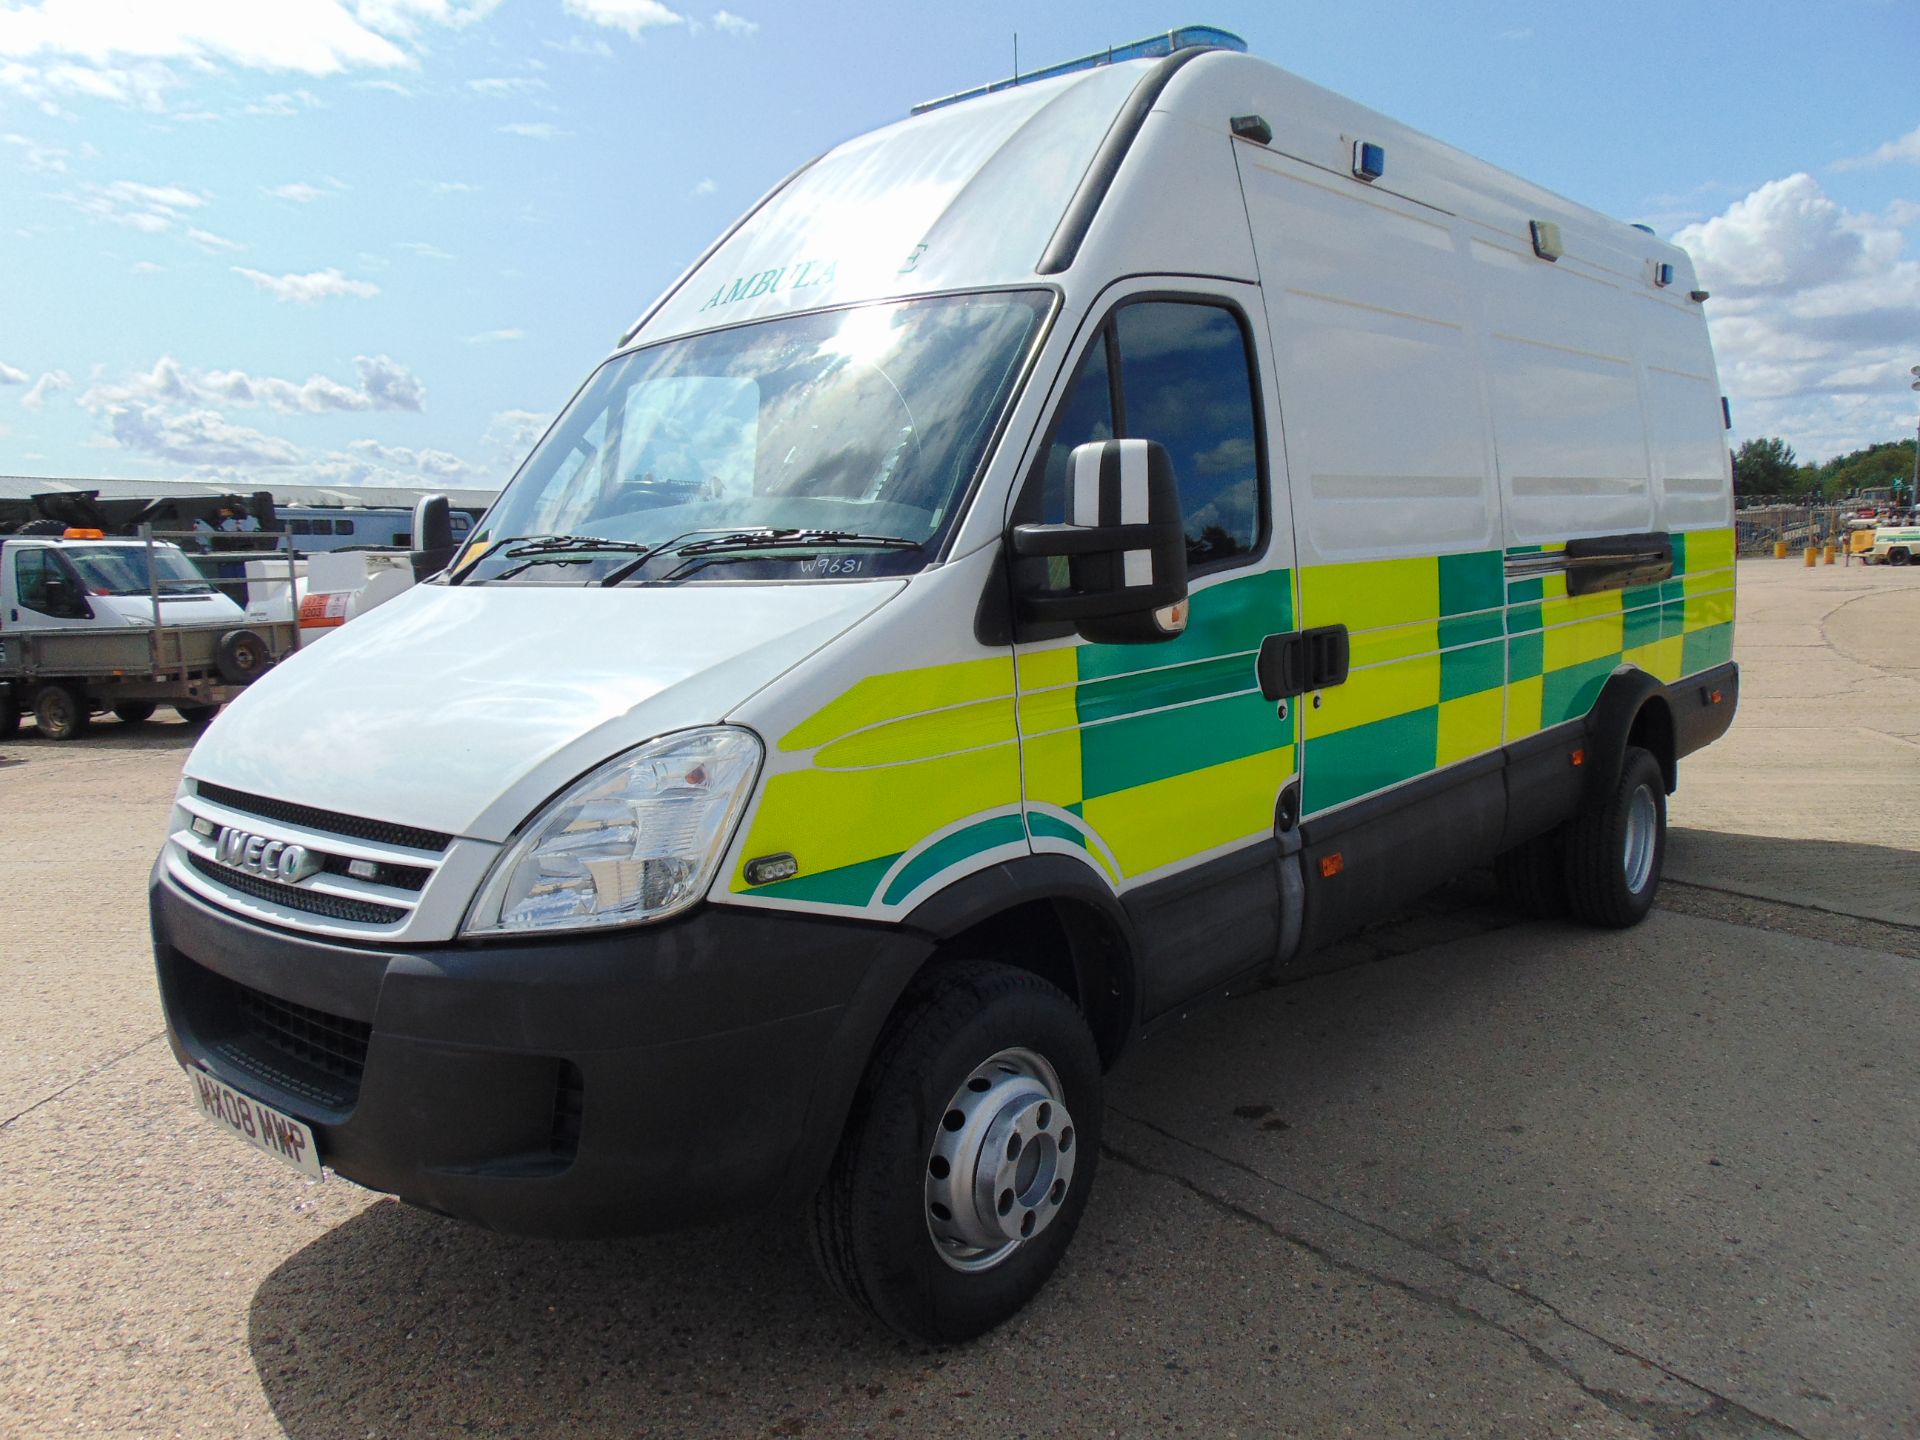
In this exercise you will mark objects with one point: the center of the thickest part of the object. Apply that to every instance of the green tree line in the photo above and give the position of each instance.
(1768, 467)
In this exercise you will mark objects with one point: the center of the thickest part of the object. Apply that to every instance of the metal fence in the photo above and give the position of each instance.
(1758, 529)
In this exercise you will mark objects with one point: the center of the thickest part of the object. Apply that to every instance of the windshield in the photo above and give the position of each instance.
(122, 570)
(866, 423)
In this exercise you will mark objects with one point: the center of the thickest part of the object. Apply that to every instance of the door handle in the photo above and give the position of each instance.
(1303, 660)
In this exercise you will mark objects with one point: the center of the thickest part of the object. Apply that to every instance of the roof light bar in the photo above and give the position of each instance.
(1187, 37)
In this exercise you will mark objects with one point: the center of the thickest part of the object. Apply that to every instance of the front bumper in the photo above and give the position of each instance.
(599, 1084)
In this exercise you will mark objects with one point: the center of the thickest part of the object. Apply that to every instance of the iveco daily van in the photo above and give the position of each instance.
(1055, 559)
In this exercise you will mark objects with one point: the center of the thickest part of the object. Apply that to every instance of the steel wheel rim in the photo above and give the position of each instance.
(1001, 1161)
(1643, 827)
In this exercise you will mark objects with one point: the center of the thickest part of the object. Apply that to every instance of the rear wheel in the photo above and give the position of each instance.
(9, 717)
(196, 714)
(1615, 846)
(60, 712)
(133, 712)
(968, 1157)
(1898, 557)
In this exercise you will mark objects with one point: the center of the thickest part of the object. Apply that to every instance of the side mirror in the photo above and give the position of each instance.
(1125, 545)
(432, 536)
(64, 600)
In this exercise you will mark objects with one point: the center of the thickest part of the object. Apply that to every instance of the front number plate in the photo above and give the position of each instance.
(261, 1126)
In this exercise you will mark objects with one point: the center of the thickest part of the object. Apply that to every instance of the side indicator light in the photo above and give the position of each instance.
(1578, 757)
(768, 868)
(1332, 865)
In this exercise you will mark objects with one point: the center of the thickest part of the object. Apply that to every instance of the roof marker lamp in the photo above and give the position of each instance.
(1369, 161)
(637, 839)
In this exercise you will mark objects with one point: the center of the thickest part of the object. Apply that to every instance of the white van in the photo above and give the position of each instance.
(1056, 559)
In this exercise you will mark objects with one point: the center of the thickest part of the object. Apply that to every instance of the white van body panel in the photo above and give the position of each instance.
(526, 689)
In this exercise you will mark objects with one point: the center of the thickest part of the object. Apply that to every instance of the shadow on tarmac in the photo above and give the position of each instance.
(400, 1321)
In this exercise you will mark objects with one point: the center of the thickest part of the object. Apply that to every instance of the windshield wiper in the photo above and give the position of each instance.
(538, 546)
(767, 539)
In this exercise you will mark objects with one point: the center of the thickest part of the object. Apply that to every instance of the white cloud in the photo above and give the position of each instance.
(575, 45)
(297, 191)
(147, 267)
(493, 337)
(150, 209)
(1906, 150)
(48, 159)
(534, 130)
(290, 102)
(706, 186)
(9, 375)
(422, 249)
(195, 437)
(454, 187)
(392, 87)
(511, 435)
(732, 24)
(1814, 316)
(211, 243)
(144, 84)
(305, 289)
(313, 37)
(48, 383)
(504, 86)
(632, 16)
(384, 384)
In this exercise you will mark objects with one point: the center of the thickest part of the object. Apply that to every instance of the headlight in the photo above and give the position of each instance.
(636, 839)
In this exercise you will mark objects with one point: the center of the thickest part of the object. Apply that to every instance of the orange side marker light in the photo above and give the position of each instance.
(1331, 865)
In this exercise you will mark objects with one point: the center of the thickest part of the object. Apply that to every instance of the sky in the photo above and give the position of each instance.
(383, 241)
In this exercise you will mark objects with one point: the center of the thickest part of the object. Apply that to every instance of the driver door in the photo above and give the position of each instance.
(1161, 765)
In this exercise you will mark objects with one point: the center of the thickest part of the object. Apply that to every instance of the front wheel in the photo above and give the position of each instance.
(60, 712)
(1615, 846)
(968, 1157)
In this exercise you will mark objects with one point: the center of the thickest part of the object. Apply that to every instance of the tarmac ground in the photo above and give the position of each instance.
(1477, 1176)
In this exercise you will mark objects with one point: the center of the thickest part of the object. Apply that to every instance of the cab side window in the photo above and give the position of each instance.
(1177, 372)
(30, 580)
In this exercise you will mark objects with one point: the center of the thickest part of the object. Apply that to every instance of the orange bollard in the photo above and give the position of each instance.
(1779, 549)
(1812, 557)
(1827, 556)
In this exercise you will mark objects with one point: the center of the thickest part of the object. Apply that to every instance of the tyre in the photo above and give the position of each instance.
(1899, 557)
(60, 712)
(1532, 878)
(241, 657)
(196, 714)
(133, 712)
(9, 717)
(968, 1156)
(42, 527)
(1615, 846)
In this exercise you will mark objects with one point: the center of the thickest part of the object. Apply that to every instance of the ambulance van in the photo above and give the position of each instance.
(1055, 560)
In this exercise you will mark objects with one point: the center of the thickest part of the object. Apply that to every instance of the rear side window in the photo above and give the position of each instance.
(1177, 372)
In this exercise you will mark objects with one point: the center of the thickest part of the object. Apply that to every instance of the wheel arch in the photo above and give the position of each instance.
(1632, 711)
(1052, 916)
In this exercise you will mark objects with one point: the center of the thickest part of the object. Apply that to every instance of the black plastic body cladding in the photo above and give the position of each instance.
(713, 1057)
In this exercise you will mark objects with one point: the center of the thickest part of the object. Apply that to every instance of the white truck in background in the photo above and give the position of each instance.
(90, 624)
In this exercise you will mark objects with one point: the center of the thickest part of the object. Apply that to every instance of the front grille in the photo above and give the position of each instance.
(334, 907)
(381, 832)
(569, 1101)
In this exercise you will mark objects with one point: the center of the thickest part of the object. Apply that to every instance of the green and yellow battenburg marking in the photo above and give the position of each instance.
(1146, 758)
